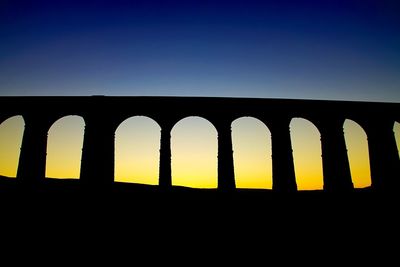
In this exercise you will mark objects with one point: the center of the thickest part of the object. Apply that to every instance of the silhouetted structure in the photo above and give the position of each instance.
(103, 114)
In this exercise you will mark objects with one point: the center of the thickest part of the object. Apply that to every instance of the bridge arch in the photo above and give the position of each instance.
(64, 147)
(137, 145)
(11, 132)
(396, 130)
(251, 140)
(307, 153)
(358, 155)
(194, 153)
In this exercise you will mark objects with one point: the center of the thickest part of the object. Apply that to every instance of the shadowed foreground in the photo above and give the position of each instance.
(190, 218)
(140, 197)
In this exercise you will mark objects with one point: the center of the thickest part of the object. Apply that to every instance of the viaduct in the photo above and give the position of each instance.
(103, 114)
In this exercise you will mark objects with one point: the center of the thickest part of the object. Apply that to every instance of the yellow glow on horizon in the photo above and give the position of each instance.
(251, 141)
(11, 132)
(306, 143)
(396, 130)
(194, 153)
(64, 148)
(137, 145)
(357, 152)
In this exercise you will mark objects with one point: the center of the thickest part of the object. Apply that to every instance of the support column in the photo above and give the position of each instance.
(97, 165)
(335, 162)
(383, 155)
(283, 174)
(32, 160)
(165, 179)
(226, 173)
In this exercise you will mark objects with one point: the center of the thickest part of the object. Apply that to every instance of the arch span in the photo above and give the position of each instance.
(357, 151)
(137, 145)
(306, 154)
(194, 153)
(251, 141)
(11, 132)
(396, 130)
(64, 147)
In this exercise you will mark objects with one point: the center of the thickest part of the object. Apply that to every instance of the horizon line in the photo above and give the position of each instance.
(197, 97)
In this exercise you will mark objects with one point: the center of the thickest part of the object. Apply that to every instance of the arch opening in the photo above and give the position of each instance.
(137, 145)
(396, 130)
(306, 143)
(251, 140)
(194, 153)
(11, 133)
(64, 148)
(357, 152)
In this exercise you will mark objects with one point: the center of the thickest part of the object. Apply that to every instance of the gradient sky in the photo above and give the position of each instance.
(340, 49)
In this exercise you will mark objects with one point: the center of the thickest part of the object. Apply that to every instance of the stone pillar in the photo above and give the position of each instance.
(97, 165)
(383, 155)
(283, 174)
(32, 160)
(226, 173)
(335, 162)
(165, 179)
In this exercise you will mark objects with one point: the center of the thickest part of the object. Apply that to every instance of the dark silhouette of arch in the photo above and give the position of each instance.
(102, 115)
(357, 150)
(11, 131)
(137, 145)
(251, 140)
(193, 153)
(307, 154)
(64, 147)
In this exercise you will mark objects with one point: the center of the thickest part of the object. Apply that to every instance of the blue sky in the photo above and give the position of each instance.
(345, 50)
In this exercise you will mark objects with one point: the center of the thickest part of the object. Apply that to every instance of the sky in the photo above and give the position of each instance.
(346, 50)
(332, 50)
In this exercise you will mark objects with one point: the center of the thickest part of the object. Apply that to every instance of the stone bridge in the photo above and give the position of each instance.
(103, 114)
